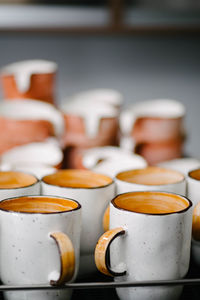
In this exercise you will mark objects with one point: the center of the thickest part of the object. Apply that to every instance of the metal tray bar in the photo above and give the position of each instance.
(101, 285)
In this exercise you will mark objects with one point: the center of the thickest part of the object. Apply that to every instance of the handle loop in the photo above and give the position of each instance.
(67, 258)
(102, 253)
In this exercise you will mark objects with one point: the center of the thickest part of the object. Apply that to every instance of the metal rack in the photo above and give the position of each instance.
(101, 287)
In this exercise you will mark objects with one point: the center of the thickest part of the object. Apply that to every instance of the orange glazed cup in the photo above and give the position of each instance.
(29, 79)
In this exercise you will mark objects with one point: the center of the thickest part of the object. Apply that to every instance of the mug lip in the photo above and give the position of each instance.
(190, 176)
(40, 213)
(75, 187)
(190, 204)
(152, 185)
(21, 187)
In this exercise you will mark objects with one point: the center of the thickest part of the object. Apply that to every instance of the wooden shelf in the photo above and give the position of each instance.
(115, 18)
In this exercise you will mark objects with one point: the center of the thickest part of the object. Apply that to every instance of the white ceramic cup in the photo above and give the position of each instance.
(13, 184)
(183, 165)
(94, 192)
(193, 186)
(41, 244)
(47, 153)
(151, 178)
(149, 239)
(111, 160)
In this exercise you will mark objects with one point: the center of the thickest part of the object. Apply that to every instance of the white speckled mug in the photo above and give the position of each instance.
(94, 192)
(151, 178)
(149, 239)
(13, 184)
(193, 186)
(41, 244)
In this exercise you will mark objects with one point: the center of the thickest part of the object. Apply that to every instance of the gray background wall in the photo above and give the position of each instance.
(141, 67)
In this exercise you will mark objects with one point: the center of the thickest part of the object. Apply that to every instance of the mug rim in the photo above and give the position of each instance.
(190, 204)
(76, 187)
(190, 176)
(20, 187)
(151, 185)
(40, 213)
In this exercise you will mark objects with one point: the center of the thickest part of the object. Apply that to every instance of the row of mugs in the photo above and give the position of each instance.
(154, 230)
(86, 187)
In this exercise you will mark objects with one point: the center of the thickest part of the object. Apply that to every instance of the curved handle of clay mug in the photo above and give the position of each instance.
(102, 257)
(106, 219)
(67, 257)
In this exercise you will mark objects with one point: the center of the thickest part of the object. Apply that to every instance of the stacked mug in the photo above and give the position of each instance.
(154, 129)
(91, 120)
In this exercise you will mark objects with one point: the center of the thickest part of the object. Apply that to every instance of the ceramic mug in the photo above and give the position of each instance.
(196, 234)
(193, 186)
(111, 160)
(24, 122)
(94, 192)
(154, 129)
(30, 79)
(183, 165)
(41, 244)
(90, 124)
(151, 178)
(13, 184)
(158, 120)
(108, 96)
(44, 153)
(149, 239)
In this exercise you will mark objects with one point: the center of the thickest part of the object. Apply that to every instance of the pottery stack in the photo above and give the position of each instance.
(91, 120)
(31, 126)
(154, 129)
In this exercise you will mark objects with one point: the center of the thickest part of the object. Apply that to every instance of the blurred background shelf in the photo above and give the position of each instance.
(111, 16)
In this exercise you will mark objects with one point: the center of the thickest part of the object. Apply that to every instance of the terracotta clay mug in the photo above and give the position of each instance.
(90, 124)
(24, 122)
(30, 79)
(149, 239)
(151, 121)
(154, 129)
(41, 244)
(94, 192)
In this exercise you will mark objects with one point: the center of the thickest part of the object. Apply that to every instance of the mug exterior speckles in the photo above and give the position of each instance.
(31, 187)
(41, 244)
(193, 186)
(146, 246)
(166, 180)
(94, 201)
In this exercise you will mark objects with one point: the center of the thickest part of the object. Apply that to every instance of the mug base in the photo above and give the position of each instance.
(38, 295)
(150, 293)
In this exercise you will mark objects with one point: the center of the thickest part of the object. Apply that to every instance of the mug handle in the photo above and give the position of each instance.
(67, 257)
(102, 256)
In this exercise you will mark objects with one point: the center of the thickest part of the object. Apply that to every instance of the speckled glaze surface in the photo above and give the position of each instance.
(29, 255)
(193, 187)
(33, 189)
(178, 187)
(154, 247)
(94, 202)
